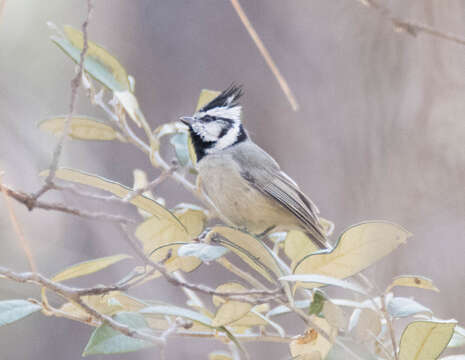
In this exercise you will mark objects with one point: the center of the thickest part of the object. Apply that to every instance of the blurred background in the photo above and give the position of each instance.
(379, 134)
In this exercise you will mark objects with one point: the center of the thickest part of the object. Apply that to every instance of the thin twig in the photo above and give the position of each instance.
(244, 296)
(150, 186)
(18, 230)
(408, 26)
(75, 83)
(29, 201)
(266, 55)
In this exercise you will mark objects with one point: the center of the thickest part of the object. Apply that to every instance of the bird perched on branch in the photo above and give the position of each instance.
(240, 180)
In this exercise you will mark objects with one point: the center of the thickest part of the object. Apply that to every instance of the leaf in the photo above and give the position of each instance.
(88, 267)
(283, 309)
(317, 303)
(99, 63)
(192, 218)
(205, 97)
(425, 340)
(105, 340)
(177, 311)
(219, 355)
(131, 105)
(81, 128)
(159, 238)
(334, 315)
(458, 339)
(325, 280)
(358, 247)
(364, 324)
(312, 341)
(204, 252)
(14, 310)
(250, 249)
(297, 245)
(403, 307)
(107, 304)
(413, 281)
(229, 310)
(179, 141)
(117, 189)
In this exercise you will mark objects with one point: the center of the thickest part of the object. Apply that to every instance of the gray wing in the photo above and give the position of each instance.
(264, 174)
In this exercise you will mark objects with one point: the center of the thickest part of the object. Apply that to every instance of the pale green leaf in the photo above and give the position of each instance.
(117, 189)
(179, 141)
(14, 310)
(324, 280)
(425, 340)
(358, 247)
(250, 249)
(205, 97)
(413, 281)
(403, 307)
(81, 128)
(99, 63)
(177, 311)
(204, 252)
(88, 267)
(106, 340)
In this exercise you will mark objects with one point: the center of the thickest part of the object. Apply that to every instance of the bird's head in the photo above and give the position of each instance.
(217, 125)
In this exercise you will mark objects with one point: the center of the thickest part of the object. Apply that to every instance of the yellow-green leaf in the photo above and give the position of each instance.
(229, 287)
(219, 355)
(81, 128)
(229, 311)
(119, 190)
(205, 97)
(99, 63)
(413, 281)
(358, 247)
(250, 249)
(425, 340)
(88, 267)
(297, 245)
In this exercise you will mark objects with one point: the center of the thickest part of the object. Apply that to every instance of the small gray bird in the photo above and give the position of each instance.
(240, 180)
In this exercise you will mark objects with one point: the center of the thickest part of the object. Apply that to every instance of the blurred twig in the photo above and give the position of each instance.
(2, 7)
(30, 202)
(266, 55)
(408, 26)
(18, 230)
(75, 83)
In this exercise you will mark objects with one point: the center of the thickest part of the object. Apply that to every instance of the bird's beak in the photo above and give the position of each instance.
(188, 120)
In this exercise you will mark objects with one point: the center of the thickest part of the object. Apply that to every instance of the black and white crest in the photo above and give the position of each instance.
(217, 125)
(227, 98)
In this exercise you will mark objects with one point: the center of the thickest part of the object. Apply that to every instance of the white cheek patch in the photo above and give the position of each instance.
(227, 140)
(208, 132)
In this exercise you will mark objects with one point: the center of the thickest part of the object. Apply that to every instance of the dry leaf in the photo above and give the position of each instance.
(312, 341)
(425, 340)
(413, 281)
(81, 128)
(359, 247)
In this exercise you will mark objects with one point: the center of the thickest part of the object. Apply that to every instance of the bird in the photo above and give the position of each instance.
(240, 180)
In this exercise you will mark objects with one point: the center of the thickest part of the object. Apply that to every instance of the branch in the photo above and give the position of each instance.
(408, 26)
(75, 83)
(266, 54)
(30, 202)
(244, 296)
(74, 295)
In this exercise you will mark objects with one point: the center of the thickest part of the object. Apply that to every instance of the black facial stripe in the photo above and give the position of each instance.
(227, 124)
(200, 146)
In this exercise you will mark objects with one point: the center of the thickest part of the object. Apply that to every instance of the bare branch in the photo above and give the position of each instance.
(266, 54)
(410, 27)
(22, 240)
(75, 83)
(30, 202)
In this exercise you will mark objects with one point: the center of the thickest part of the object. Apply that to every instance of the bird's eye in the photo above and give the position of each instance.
(208, 118)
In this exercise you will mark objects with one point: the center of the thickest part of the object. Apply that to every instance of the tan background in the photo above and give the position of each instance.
(380, 133)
